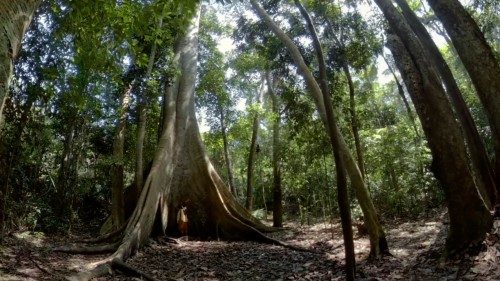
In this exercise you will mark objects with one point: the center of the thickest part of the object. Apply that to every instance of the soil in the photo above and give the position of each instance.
(415, 247)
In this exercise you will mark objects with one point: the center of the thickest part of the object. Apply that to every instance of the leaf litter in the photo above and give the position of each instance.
(415, 246)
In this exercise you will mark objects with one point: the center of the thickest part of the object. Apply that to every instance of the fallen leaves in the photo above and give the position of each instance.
(416, 248)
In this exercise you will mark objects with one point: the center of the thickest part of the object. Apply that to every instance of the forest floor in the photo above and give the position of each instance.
(415, 248)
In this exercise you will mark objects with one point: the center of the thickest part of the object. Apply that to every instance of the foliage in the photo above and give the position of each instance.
(76, 58)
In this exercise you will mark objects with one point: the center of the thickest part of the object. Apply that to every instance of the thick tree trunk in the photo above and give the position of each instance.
(481, 163)
(378, 243)
(252, 154)
(227, 159)
(181, 173)
(478, 59)
(354, 119)
(15, 17)
(117, 188)
(469, 218)
(276, 159)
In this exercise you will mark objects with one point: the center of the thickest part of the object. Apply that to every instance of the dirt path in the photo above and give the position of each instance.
(415, 248)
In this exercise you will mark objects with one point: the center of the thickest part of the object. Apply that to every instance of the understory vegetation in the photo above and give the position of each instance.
(114, 115)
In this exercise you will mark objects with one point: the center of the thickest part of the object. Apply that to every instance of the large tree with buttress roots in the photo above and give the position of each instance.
(181, 174)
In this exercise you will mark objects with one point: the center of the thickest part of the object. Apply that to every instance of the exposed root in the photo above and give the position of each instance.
(98, 271)
(46, 270)
(88, 250)
(106, 237)
(108, 268)
(286, 245)
(131, 271)
(170, 240)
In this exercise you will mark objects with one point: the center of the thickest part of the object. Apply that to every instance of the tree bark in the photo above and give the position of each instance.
(142, 121)
(481, 163)
(66, 174)
(15, 18)
(227, 159)
(342, 196)
(141, 135)
(469, 218)
(354, 119)
(253, 147)
(276, 158)
(479, 60)
(378, 243)
(401, 93)
(181, 173)
(117, 188)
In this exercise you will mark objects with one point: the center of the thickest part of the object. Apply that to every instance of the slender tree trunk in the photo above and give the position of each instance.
(63, 176)
(402, 95)
(354, 119)
(142, 121)
(342, 196)
(230, 177)
(479, 60)
(481, 163)
(13, 156)
(469, 218)
(141, 135)
(67, 178)
(15, 17)
(253, 148)
(378, 243)
(276, 159)
(117, 188)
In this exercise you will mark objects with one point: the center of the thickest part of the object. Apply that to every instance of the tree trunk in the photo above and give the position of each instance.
(253, 148)
(342, 196)
(141, 134)
(117, 189)
(229, 166)
(354, 119)
(181, 173)
(378, 243)
(402, 95)
(13, 156)
(469, 218)
(65, 175)
(15, 17)
(142, 109)
(478, 59)
(481, 163)
(276, 160)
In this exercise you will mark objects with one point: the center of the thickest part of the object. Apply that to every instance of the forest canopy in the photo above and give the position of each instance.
(115, 116)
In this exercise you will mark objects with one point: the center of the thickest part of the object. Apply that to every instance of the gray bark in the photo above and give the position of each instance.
(142, 121)
(481, 164)
(117, 186)
(469, 218)
(182, 173)
(402, 95)
(227, 159)
(479, 60)
(276, 158)
(354, 119)
(15, 17)
(252, 154)
(377, 235)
